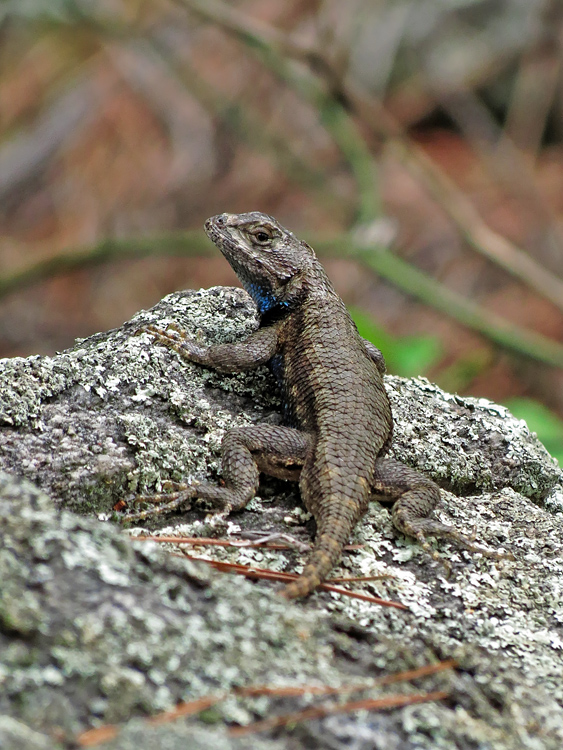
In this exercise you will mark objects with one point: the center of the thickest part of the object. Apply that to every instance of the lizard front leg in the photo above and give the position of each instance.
(374, 353)
(254, 350)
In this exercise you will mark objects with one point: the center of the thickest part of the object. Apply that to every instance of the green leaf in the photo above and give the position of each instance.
(415, 355)
(406, 356)
(547, 425)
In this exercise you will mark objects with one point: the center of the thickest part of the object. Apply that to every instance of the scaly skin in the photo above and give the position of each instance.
(339, 423)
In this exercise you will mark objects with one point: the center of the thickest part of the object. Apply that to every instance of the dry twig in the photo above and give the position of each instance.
(263, 574)
(100, 735)
(252, 572)
(319, 712)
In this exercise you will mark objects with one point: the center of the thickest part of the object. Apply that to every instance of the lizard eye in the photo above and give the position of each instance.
(262, 236)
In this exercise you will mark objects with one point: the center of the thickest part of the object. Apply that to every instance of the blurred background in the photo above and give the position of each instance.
(417, 144)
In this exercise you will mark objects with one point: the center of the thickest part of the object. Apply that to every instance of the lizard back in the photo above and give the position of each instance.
(335, 392)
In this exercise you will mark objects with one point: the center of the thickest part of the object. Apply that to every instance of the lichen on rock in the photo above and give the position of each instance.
(97, 627)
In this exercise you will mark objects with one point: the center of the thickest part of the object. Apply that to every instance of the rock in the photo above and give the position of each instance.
(97, 628)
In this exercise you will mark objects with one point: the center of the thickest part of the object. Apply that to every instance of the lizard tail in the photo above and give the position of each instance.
(324, 557)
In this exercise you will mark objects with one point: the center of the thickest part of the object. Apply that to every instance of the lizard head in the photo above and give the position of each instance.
(268, 259)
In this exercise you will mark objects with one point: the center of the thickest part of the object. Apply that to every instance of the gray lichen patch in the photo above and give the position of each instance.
(14, 735)
(116, 414)
(95, 628)
(181, 736)
(512, 608)
(468, 444)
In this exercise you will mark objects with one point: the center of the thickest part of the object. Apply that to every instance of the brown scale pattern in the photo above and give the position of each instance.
(332, 384)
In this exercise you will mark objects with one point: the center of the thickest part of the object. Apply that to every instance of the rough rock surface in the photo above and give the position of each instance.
(95, 628)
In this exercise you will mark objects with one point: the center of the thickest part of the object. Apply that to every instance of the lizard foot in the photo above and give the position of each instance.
(171, 336)
(424, 527)
(170, 488)
(175, 338)
(170, 502)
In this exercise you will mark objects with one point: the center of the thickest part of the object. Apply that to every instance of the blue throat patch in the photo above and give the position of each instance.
(264, 298)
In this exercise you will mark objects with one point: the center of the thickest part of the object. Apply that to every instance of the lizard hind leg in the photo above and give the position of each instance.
(415, 496)
(279, 451)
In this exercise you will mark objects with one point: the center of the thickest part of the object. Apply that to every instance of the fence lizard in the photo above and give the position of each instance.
(338, 418)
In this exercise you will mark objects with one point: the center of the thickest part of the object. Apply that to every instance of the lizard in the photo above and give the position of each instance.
(338, 424)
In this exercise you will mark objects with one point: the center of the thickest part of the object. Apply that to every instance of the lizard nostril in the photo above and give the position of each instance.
(219, 220)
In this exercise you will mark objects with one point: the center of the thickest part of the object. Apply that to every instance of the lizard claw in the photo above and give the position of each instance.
(170, 502)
